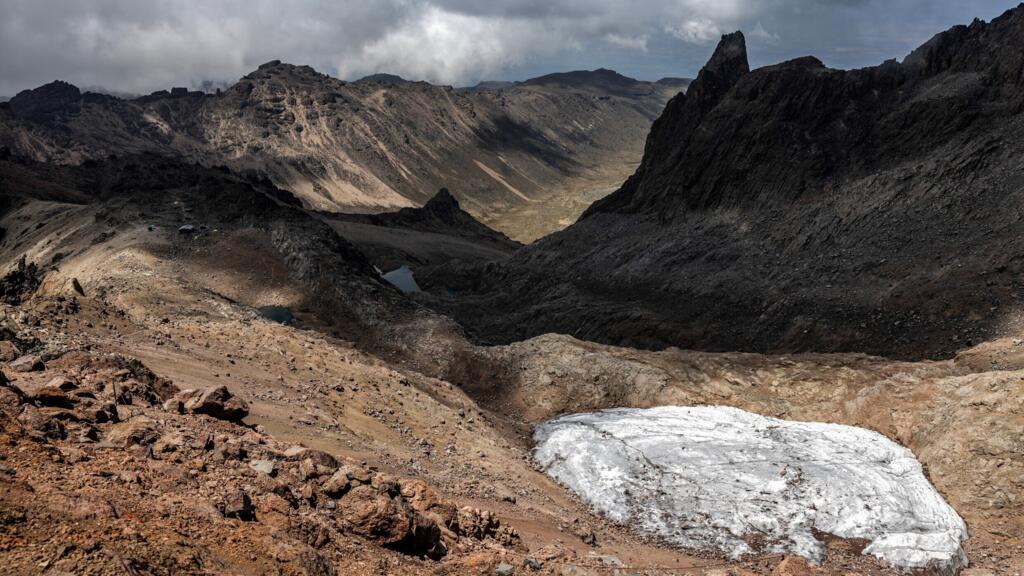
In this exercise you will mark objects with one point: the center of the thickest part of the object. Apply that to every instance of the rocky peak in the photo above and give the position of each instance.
(48, 101)
(725, 68)
(798, 127)
(442, 215)
(382, 78)
(443, 203)
(678, 123)
(275, 69)
(996, 48)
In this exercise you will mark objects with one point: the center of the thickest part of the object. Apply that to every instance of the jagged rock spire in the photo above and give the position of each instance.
(727, 65)
(674, 129)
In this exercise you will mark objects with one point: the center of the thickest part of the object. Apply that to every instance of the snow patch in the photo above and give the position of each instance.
(706, 477)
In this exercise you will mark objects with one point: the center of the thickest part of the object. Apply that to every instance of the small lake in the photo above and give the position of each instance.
(279, 314)
(402, 278)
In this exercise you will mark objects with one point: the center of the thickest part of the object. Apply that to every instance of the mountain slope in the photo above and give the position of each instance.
(372, 145)
(796, 207)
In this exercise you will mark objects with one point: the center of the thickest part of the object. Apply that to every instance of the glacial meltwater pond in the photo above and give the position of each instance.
(705, 477)
(279, 314)
(402, 278)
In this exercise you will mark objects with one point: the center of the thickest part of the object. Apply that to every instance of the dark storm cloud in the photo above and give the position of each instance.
(140, 46)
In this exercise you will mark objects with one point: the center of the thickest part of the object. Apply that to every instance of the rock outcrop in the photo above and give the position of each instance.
(216, 402)
(442, 214)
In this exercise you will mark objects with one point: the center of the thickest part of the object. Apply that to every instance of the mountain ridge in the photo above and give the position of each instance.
(339, 146)
(797, 208)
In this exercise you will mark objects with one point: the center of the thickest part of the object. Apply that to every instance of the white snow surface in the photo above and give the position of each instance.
(704, 477)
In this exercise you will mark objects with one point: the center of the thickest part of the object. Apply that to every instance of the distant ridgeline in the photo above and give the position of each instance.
(373, 145)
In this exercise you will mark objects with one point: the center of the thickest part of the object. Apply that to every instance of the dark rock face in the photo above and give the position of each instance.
(442, 214)
(48, 102)
(796, 207)
(19, 284)
(798, 129)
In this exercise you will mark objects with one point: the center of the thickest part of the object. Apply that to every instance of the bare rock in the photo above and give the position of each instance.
(8, 351)
(264, 466)
(218, 402)
(319, 457)
(237, 504)
(138, 430)
(338, 484)
(376, 515)
(41, 424)
(27, 363)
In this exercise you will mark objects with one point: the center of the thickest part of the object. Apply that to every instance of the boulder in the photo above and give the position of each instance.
(42, 424)
(319, 457)
(237, 504)
(139, 430)
(8, 351)
(169, 442)
(264, 466)
(56, 392)
(309, 469)
(217, 402)
(377, 515)
(338, 484)
(11, 397)
(27, 363)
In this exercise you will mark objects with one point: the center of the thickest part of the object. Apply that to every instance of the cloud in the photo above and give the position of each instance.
(696, 31)
(631, 42)
(443, 46)
(761, 33)
(144, 45)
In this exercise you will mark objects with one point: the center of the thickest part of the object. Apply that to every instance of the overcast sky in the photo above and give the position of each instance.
(139, 46)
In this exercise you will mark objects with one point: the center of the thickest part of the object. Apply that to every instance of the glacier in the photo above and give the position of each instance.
(712, 477)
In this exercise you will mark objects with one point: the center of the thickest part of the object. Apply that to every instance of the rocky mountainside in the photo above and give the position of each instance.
(797, 207)
(157, 419)
(526, 159)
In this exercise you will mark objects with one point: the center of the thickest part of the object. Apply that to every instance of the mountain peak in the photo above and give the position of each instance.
(276, 68)
(725, 68)
(383, 78)
(731, 51)
(599, 77)
(43, 103)
(442, 202)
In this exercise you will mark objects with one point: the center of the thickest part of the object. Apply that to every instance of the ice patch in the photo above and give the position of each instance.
(706, 477)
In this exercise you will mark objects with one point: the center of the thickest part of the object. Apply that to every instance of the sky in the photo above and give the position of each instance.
(139, 46)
